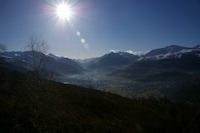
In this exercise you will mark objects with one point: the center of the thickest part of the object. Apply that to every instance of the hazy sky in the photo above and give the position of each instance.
(137, 25)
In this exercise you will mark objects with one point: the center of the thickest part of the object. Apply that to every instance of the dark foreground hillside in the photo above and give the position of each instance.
(30, 105)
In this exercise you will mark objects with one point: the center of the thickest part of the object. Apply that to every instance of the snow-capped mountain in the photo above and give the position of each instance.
(108, 62)
(166, 50)
(54, 63)
(111, 61)
(171, 52)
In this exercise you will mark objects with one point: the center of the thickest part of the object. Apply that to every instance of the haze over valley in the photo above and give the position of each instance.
(155, 73)
(99, 66)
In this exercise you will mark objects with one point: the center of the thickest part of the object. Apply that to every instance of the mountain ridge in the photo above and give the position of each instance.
(126, 74)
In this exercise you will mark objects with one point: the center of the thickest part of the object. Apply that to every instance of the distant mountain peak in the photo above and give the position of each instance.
(175, 48)
(197, 46)
(166, 50)
(122, 54)
(173, 51)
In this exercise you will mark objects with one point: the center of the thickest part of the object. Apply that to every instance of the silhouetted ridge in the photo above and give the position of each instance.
(34, 105)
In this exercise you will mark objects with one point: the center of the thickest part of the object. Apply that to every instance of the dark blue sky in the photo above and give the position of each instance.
(137, 25)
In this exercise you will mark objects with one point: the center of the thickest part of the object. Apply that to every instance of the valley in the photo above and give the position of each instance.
(154, 74)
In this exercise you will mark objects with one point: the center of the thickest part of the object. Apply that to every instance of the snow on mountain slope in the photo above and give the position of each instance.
(170, 52)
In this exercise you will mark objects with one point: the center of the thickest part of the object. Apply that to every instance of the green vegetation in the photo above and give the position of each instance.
(28, 104)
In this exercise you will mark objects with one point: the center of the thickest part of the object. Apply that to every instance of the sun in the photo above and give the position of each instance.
(64, 11)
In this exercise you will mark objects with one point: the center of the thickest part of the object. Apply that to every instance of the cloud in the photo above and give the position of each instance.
(130, 51)
(137, 52)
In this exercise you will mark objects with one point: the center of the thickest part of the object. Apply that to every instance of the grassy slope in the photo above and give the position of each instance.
(28, 105)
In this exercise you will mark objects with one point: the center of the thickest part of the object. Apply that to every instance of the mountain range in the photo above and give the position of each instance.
(155, 73)
(60, 65)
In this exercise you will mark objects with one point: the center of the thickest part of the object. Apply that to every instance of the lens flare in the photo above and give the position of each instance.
(82, 40)
(78, 33)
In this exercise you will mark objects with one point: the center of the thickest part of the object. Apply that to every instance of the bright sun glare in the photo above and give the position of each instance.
(64, 11)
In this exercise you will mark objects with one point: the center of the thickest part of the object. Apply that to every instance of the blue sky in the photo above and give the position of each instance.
(137, 25)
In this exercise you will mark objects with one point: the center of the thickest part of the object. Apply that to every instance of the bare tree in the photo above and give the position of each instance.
(38, 49)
